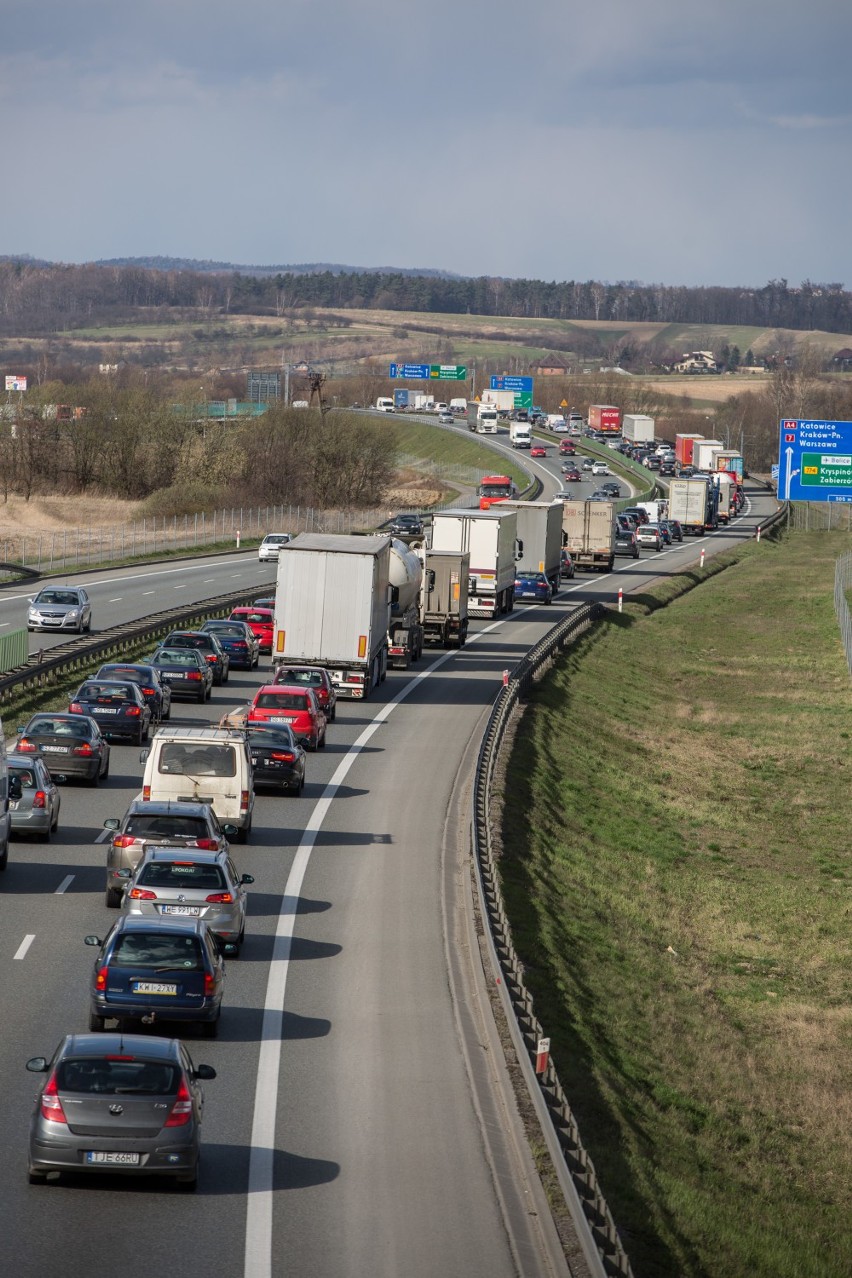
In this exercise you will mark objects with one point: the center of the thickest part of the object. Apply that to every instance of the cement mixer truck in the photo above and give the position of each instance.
(405, 632)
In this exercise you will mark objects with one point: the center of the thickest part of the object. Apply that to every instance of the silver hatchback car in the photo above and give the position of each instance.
(60, 608)
(122, 1103)
(190, 883)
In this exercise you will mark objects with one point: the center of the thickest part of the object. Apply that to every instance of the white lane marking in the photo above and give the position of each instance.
(5, 625)
(149, 592)
(24, 946)
(183, 585)
(117, 599)
(66, 883)
(103, 836)
(258, 1251)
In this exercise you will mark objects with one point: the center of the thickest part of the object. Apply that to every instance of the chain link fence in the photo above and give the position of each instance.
(820, 516)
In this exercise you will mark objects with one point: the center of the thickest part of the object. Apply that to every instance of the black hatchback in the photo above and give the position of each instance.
(277, 757)
(209, 647)
(153, 970)
(118, 707)
(157, 693)
(185, 671)
(72, 744)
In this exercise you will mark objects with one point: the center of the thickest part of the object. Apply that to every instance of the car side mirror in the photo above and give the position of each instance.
(112, 823)
(229, 949)
(59, 777)
(37, 1065)
(143, 755)
(230, 830)
(16, 788)
(247, 878)
(203, 1073)
(123, 874)
(92, 940)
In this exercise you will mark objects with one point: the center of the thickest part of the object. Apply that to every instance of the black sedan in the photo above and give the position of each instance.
(157, 693)
(117, 706)
(209, 647)
(277, 757)
(72, 744)
(185, 671)
(238, 639)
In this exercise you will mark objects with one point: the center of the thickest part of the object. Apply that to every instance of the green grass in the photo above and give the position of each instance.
(419, 439)
(678, 880)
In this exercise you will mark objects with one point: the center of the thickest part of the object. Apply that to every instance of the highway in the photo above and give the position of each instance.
(362, 1121)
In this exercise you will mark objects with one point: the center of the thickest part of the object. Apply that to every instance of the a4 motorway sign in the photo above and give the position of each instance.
(815, 460)
(429, 372)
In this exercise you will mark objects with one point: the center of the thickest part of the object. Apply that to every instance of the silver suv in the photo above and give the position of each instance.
(193, 826)
(60, 608)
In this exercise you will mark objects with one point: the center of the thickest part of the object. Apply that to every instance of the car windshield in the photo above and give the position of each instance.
(190, 641)
(313, 678)
(158, 949)
(198, 760)
(281, 701)
(26, 777)
(66, 597)
(264, 617)
(276, 539)
(261, 735)
(71, 727)
(172, 826)
(107, 1076)
(177, 657)
(229, 628)
(124, 672)
(103, 691)
(182, 874)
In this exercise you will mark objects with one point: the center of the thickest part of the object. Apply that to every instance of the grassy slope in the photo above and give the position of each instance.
(679, 879)
(443, 447)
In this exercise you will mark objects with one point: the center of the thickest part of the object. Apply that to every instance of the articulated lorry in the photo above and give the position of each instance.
(482, 418)
(588, 534)
(540, 537)
(495, 488)
(704, 452)
(490, 537)
(443, 597)
(605, 417)
(405, 632)
(694, 503)
(638, 428)
(333, 608)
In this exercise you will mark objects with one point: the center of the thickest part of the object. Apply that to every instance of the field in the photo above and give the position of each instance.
(678, 880)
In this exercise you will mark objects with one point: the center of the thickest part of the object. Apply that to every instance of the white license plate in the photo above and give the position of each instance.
(180, 909)
(100, 710)
(112, 1160)
(56, 749)
(153, 987)
(170, 674)
(282, 718)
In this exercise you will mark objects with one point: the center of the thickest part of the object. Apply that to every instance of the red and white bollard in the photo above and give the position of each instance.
(505, 678)
(701, 558)
(758, 532)
(238, 539)
(620, 598)
(542, 1055)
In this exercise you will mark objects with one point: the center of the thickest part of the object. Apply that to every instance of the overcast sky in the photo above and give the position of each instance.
(657, 140)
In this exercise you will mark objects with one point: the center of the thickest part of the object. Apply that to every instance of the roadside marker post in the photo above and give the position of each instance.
(701, 558)
(758, 532)
(505, 678)
(238, 539)
(542, 1055)
(620, 598)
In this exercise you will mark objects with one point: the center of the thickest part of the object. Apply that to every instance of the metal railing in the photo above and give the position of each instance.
(842, 585)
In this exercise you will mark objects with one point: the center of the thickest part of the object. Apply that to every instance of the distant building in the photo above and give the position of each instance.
(843, 359)
(697, 362)
(549, 368)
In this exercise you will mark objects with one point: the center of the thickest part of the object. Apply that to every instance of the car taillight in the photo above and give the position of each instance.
(75, 708)
(209, 984)
(141, 894)
(51, 1105)
(28, 747)
(209, 845)
(194, 675)
(239, 645)
(282, 756)
(220, 898)
(181, 1111)
(146, 792)
(148, 692)
(244, 800)
(39, 799)
(85, 748)
(123, 840)
(134, 712)
(212, 657)
(101, 979)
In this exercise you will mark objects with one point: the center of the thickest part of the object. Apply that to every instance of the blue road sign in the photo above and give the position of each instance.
(524, 384)
(413, 372)
(815, 460)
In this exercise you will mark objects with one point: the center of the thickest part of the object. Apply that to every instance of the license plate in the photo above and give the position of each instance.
(169, 674)
(180, 909)
(254, 760)
(153, 987)
(56, 749)
(282, 718)
(103, 710)
(112, 1160)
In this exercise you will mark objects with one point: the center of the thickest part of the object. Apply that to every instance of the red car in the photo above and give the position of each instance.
(312, 677)
(538, 450)
(572, 474)
(261, 622)
(294, 705)
(567, 448)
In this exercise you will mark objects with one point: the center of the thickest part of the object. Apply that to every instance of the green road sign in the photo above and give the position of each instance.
(523, 399)
(826, 470)
(448, 372)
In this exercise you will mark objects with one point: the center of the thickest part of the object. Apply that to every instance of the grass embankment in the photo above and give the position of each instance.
(677, 866)
(432, 445)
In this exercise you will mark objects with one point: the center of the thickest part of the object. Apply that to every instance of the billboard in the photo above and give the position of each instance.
(15, 383)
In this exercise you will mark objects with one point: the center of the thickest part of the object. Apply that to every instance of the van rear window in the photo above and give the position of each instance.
(179, 758)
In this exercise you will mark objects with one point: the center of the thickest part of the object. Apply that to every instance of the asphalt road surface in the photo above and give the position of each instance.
(361, 1122)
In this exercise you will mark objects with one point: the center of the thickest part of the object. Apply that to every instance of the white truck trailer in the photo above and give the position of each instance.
(638, 428)
(502, 400)
(333, 608)
(482, 418)
(588, 534)
(704, 453)
(443, 597)
(490, 537)
(694, 504)
(520, 434)
(540, 537)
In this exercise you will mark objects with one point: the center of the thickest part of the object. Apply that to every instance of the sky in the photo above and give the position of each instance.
(651, 140)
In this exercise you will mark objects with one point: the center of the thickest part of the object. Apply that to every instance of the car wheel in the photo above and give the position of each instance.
(226, 676)
(321, 742)
(140, 737)
(43, 836)
(210, 1029)
(112, 898)
(105, 772)
(36, 1178)
(4, 859)
(95, 780)
(333, 715)
(202, 696)
(96, 1023)
(209, 692)
(187, 1184)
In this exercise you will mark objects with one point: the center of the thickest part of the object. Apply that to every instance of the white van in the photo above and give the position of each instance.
(202, 765)
(385, 405)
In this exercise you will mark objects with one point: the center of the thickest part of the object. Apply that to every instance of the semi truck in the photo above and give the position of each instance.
(403, 398)
(405, 632)
(520, 434)
(605, 417)
(495, 488)
(684, 446)
(540, 537)
(332, 608)
(588, 533)
(443, 597)
(482, 418)
(638, 428)
(704, 451)
(694, 504)
(733, 463)
(490, 537)
(502, 400)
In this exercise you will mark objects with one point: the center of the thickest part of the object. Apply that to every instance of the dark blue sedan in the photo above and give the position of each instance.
(533, 587)
(238, 639)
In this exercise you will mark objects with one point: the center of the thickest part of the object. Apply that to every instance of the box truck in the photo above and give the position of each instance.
(638, 428)
(588, 533)
(520, 434)
(443, 597)
(605, 417)
(684, 445)
(332, 608)
(694, 504)
(703, 452)
(490, 538)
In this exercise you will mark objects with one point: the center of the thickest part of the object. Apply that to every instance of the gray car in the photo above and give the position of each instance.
(193, 826)
(118, 1103)
(33, 796)
(189, 883)
(60, 608)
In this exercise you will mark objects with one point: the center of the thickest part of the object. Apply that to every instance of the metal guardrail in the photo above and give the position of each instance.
(47, 667)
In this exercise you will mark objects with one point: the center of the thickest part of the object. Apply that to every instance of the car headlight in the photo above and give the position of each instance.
(72, 614)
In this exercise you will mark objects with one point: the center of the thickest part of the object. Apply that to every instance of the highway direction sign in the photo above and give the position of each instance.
(448, 372)
(815, 460)
(524, 384)
(413, 372)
